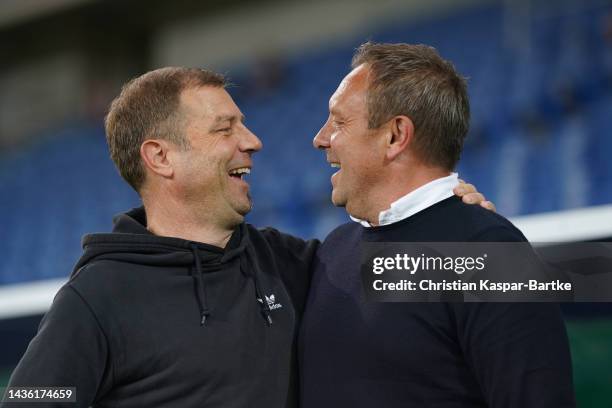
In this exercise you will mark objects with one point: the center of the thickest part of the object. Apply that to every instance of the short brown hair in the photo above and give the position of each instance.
(147, 107)
(413, 80)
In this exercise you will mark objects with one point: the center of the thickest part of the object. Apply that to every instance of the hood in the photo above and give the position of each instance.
(131, 242)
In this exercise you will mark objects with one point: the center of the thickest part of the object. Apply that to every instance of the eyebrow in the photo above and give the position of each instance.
(336, 113)
(223, 118)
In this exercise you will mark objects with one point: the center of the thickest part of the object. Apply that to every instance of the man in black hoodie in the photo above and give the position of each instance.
(182, 305)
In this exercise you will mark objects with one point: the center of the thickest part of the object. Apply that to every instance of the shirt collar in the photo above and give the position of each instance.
(416, 200)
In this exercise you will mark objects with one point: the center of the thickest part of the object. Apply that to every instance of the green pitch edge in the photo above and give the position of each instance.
(591, 346)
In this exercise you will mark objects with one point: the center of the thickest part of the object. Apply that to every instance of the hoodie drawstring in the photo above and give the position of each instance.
(263, 302)
(199, 283)
(197, 274)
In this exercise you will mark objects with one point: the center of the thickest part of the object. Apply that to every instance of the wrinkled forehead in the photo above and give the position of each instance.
(209, 103)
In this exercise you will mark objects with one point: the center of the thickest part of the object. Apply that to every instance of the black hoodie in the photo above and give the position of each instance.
(149, 321)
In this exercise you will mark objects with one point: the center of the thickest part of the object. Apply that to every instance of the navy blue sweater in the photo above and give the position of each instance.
(358, 354)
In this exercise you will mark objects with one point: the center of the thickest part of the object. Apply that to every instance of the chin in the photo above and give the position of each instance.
(245, 207)
(337, 201)
(244, 211)
(355, 210)
(236, 217)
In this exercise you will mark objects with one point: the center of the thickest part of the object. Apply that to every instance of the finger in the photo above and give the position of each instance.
(460, 190)
(463, 189)
(473, 198)
(469, 188)
(488, 205)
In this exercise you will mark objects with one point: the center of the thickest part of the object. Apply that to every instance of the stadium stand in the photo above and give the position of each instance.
(539, 140)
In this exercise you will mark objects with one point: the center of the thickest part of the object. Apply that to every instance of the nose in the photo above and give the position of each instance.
(322, 139)
(250, 142)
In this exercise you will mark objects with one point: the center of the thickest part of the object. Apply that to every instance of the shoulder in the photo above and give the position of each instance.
(279, 239)
(101, 283)
(339, 239)
(343, 232)
(476, 223)
(73, 306)
(289, 249)
(491, 226)
(91, 274)
(96, 272)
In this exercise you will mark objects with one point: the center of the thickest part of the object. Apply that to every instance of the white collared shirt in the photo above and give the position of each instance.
(416, 200)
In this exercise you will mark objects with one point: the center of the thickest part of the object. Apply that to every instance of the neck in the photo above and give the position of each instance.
(397, 185)
(170, 218)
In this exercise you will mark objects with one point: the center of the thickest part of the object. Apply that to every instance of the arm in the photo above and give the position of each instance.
(69, 350)
(295, 257)
(519, 352)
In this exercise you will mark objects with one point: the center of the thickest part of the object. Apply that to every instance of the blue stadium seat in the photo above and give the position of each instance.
(525, 136)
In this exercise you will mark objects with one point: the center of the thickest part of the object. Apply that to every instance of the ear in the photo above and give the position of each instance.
(154, 154)
(400, 136)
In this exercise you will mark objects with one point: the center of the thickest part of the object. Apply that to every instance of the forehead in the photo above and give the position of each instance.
(208, 102)
(351, 93)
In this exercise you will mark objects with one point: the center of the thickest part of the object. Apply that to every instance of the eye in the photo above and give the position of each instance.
(224, 130)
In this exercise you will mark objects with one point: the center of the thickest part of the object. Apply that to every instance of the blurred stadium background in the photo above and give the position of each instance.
(540, 79)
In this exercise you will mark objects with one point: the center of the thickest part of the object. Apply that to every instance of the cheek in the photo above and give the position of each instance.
(364, 166)
(184, 170)
(200, 170)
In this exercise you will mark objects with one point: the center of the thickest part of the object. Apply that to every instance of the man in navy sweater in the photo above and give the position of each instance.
(395, 131)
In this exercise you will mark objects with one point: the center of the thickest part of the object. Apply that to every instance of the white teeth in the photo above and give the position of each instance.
(335, 165)
(240, 171)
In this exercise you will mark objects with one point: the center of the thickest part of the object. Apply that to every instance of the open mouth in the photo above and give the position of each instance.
(240, 172)
(334, 165)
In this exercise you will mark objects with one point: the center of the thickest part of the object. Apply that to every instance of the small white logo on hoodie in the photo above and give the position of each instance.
(271, 301)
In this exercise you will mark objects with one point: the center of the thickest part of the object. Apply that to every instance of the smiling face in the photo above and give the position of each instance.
(209, 174)
(357, 151)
